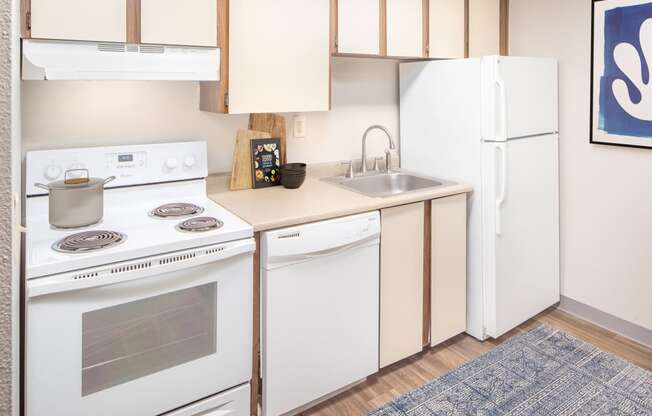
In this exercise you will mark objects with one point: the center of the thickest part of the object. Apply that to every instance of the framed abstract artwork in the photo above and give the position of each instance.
(621, 73)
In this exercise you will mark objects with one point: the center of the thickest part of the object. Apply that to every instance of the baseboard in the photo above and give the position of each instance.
(612, 323)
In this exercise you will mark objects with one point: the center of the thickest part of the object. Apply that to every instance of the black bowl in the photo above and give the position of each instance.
(294, 167)
(292, 180)
(292, 172)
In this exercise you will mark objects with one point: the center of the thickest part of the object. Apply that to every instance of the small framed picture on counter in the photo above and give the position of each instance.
(266, 162)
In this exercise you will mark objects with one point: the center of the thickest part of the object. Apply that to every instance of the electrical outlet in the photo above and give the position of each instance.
(299, 126)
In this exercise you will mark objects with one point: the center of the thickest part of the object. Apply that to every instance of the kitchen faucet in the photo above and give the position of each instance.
(392, 146)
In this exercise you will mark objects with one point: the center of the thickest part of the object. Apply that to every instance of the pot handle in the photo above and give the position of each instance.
(109, 179)
(42, 186)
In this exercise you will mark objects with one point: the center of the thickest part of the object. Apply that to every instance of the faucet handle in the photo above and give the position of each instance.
(388, 160)
(349, 171)
(376, 159)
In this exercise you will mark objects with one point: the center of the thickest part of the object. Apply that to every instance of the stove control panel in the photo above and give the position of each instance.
(130, 164)
(126, 161)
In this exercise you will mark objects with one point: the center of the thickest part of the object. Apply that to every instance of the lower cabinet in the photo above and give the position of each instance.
(447, 268)
(401, 282)
(411, 264)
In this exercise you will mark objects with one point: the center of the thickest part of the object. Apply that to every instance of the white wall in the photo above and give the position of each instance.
(91, 113)
(16, 214)
(606, 192)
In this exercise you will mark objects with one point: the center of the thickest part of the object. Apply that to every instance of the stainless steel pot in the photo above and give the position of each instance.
(76, 201)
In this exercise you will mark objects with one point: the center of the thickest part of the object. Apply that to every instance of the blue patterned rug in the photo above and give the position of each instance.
(542, 372)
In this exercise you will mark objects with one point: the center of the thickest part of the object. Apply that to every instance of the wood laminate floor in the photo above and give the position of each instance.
(413, 372)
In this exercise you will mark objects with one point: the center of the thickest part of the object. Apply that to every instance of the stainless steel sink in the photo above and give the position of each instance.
(382, 185)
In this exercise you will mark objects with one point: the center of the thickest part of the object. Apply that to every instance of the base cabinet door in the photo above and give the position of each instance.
(401, 282)
(96, 20)
(448, 268)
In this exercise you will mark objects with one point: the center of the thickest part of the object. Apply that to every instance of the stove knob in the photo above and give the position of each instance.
(52, 172)
(171, 163)
(189, 161)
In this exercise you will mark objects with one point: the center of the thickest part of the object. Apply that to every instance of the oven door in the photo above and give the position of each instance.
(141, 337)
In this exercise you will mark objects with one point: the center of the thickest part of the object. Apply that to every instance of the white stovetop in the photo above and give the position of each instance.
(127, 210)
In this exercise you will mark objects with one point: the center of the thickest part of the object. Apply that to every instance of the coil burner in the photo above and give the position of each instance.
(200, 224)
(89, 241)
(176, 210)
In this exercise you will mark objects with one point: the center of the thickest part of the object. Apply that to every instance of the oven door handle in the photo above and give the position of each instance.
(127, 271)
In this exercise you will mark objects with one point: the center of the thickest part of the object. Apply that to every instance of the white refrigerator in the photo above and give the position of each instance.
(492, 122)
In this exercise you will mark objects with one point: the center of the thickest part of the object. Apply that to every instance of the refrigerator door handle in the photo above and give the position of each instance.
(501, 148)
(502, 136)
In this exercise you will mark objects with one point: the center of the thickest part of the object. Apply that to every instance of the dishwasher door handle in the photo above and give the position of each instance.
(283, 260)
(339, 249)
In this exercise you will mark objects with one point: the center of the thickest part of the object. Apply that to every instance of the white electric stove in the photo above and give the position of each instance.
(149, 311)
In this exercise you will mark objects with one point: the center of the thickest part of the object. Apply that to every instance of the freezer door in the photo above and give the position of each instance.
(520, 230)
(519, 97)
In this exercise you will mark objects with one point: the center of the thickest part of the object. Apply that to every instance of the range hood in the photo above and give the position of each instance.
(73, 60)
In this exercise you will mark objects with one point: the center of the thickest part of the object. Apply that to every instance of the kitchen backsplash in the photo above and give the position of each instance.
(364, 92)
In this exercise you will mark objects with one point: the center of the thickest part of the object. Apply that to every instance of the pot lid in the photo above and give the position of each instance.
(78, 178)
(76, 183)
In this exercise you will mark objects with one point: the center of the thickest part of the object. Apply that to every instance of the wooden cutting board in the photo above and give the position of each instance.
(273, 124)
(241, 171)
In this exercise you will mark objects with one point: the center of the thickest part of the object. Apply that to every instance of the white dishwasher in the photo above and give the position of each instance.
(320, 290)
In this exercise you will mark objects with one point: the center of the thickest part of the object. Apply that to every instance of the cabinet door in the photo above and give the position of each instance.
(447, 28)
(484, 27)
(405, 28)
(279, 56)
(448, 268)
(358, 27)
(174, 22)
(401, 282)
(96, 20)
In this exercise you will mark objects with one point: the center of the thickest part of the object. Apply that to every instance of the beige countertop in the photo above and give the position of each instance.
(315, 200)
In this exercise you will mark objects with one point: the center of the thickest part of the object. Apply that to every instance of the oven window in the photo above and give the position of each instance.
(125, 342)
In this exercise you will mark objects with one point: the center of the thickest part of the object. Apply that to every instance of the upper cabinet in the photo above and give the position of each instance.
(447, 27)
(279, 56)
(412, 29)
(276, 58)
(358, 27)
(166, 22)
(405, 37)
(484, 27)
(174, 22)
(97, 20)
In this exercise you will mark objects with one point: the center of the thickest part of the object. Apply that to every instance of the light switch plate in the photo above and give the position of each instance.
(299, 126)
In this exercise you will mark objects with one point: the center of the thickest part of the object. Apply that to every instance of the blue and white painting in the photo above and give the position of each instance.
(622, 72)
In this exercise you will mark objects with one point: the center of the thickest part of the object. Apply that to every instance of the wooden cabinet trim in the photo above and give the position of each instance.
(504, 27)
(223, 44)
(383, 28)
(25, 17)
(334, 27)
(425, 26)
(255, 356)
(466, 28)
(133, 21)
(427, 244)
